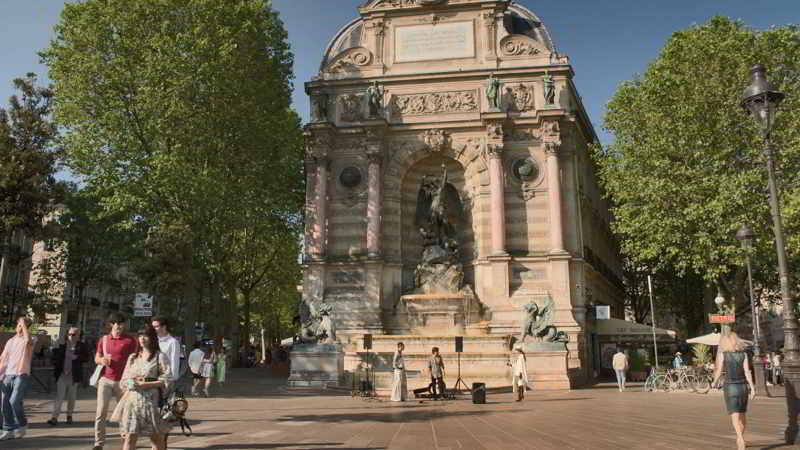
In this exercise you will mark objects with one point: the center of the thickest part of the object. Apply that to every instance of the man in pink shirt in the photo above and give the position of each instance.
(15, 368)
(113, 351)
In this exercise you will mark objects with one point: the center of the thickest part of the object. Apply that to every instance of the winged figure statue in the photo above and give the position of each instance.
(539, 323)
(439, 210)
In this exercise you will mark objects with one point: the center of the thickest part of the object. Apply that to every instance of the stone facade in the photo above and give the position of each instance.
(535, 224)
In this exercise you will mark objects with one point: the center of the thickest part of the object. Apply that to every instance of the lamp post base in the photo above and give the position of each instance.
(761, 379)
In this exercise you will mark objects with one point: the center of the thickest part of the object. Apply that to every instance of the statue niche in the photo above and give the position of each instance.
(438, 214)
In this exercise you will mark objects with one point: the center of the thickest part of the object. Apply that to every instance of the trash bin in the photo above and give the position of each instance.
(479, 393)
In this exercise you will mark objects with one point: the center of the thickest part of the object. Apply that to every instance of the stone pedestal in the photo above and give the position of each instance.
(316, 365)
(439, 314)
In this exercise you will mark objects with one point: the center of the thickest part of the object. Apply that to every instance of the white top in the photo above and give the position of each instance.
(397, 361)
(620, 361)
(170, 348)
(195, 360)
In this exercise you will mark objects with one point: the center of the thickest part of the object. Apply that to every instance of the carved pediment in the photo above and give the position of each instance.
(350, 60)
(385, 4)
(520, 45)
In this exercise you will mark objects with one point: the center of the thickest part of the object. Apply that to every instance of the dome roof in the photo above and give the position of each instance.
(518, 20)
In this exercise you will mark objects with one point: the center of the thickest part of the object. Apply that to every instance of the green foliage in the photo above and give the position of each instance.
(177, 113)
(28, 160)
(701, 354)
(637, 361)
(685, 170)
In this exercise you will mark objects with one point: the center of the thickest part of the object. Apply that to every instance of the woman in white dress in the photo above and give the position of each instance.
(519, 374)
(137, 412)
(399, 384)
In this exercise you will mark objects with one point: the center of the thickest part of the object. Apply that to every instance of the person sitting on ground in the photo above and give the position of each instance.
(68, 359)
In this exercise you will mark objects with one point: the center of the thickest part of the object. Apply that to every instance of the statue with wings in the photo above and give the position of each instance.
(439, 210)
(539, 323)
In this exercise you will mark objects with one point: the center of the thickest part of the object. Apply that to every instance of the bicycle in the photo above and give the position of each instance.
(677, 379)
(654, 381)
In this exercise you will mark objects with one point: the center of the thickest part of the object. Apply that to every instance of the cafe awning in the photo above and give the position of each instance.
(618, 327)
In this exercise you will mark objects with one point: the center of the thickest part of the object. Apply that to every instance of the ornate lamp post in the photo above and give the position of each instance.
(762, 101)
(746, 236)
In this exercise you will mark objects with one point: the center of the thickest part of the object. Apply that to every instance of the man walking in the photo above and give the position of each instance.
(620, 364)
(195, 361)
(68, 359)
(113, 351)
(169, 346)
(15, 363)
(436, 367)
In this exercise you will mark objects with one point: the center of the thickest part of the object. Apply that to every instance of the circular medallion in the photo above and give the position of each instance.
(525, 169)
(350, 177)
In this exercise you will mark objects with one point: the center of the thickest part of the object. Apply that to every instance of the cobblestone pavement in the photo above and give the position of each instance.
(255, 411)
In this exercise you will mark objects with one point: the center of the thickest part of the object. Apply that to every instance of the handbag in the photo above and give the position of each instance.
(173, 408)
(98, 371)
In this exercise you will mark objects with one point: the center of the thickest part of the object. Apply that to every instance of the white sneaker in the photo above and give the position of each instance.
(19, 433)
(6, 435)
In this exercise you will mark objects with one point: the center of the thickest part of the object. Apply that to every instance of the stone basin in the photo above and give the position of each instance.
(439, 314)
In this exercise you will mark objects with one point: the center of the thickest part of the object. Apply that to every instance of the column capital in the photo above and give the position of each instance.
(552, 148)
(493, 150)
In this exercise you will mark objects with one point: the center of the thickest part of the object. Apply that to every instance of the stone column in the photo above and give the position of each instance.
(494, 153)
(490, 21)
(552, 142)
(374, 205)
(373, 144)
(311, 185)
(318, 148)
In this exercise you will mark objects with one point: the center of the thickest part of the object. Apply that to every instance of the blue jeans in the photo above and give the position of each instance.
(13, 389)
(620, 378)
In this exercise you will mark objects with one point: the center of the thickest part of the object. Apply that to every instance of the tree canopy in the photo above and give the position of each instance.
(177, 112)
(686, 168)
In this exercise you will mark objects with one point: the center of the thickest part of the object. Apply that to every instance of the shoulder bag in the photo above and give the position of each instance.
(98, 371)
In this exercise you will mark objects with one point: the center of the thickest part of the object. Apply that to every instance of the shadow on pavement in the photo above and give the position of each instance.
(283, 445)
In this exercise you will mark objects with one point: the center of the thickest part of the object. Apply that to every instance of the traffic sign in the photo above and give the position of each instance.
(143, 305)
(721, 318)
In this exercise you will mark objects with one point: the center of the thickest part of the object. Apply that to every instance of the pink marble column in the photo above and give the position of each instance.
(554, 194)
(374, 206)
(320, 225)
(498, 209)
(311, 175)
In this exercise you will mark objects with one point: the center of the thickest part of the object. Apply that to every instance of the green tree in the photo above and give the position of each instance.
(89, 248)
(685, 169)
(28, 159)
(178, 113)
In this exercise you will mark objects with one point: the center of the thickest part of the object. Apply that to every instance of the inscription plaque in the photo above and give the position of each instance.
(429, 42)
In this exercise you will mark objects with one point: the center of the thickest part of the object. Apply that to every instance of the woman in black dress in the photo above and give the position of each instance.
(732, 357)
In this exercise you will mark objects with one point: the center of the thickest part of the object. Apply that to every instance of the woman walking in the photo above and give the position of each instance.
(519, 374)
(146, 372)
(207, 368)
(399, 384)
(222, 365)
(732, 357)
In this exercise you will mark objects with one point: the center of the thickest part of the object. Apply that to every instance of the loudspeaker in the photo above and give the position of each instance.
(479, 393)
(459, 344)
(367, 341)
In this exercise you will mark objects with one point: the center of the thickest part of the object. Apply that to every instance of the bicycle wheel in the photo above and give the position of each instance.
(703, 385)
(661, 383)
(648, 384)
(689, 382)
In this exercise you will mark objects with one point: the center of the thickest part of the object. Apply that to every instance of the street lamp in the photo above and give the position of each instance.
(762, 101)
(745, 235)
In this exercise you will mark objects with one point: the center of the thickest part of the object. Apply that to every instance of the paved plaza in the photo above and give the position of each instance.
(255, 411)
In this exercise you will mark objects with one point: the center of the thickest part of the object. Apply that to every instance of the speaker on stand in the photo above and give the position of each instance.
(459, 380)
(368, 385)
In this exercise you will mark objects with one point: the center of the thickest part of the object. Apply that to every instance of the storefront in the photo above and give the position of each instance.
(609, 334)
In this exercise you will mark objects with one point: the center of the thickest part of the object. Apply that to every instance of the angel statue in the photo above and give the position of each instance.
(538, 323)
(438, 210)
(325, 330)
(375, 99)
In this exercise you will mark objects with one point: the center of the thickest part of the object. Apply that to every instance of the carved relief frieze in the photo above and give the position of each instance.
(436, 140)
(383, 4)
(517, 45)
(471, 147)
(435, 103)
(350, 60)
(350, 107)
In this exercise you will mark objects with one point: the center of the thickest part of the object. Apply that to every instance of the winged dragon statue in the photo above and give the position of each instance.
(539, 323)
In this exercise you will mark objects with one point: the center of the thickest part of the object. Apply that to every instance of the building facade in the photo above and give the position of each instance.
(476, 87)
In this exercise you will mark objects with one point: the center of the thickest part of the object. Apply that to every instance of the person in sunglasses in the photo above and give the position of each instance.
(113, 351)
(68, 359)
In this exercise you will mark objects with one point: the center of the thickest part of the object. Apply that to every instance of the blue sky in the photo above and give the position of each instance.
(607, 42)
